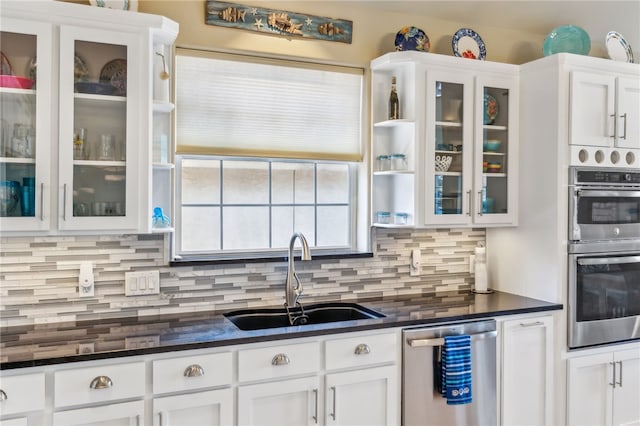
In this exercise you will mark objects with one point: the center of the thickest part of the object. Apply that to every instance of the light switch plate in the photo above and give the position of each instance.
(141, 283)
(415, 267)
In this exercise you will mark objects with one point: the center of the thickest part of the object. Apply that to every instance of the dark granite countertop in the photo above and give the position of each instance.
(56, 343)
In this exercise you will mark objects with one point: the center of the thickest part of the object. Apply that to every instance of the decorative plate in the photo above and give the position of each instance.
(490, 109)
(466, 43)
(115, 72)
(567, 38)
(116, 4)
(617, 47)
(5, 65)
(412, 38)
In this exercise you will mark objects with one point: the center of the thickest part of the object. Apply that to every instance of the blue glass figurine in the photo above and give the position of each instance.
(160, 220)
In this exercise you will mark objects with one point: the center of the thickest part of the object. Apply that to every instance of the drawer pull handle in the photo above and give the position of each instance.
(362, 349)
(101, 382)
(280, 359)
(3, 395)
(194, 370)
(531, 324)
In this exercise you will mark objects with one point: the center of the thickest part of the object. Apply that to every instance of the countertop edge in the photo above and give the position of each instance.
(283, 334)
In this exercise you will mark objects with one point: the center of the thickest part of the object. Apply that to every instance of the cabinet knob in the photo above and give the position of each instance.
(362, 349)
(3, 395)
(194, 370)
(101, 382)
(280, 359)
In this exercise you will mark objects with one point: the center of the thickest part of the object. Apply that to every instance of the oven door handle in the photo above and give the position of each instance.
(617, 192)
(439, 341)
(609, 260)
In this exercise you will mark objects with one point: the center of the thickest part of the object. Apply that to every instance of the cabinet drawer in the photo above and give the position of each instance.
(362, 350)
(111, 382)
(278, 361)
(23, 393)
(193, 372)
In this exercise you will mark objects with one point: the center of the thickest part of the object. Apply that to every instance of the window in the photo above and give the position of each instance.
(266, 148)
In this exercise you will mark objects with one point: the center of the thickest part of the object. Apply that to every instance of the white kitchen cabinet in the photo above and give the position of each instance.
(451, 178)
(123, 414)
(293, 402)
(605, 110)
(211, 408)
(26, 126)
(360, 386)
(527, 371)
(603, 389)
(98, 75)
(23, 398)
(362, 397)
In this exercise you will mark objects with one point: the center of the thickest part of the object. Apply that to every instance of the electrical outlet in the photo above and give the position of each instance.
(85, 348)
(141, 283)
(141, 342)
(85, 280)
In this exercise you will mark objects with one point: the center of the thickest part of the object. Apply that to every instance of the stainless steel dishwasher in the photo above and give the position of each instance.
(422, 402)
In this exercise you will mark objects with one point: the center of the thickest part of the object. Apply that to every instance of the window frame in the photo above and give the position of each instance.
(360, 184)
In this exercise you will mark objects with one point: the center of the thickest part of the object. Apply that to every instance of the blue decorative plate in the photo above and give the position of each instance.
(467, 43)
(567, 39)
(412, 38)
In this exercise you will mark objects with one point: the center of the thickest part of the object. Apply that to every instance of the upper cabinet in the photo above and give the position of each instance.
(25, 125)
(605, 110)
(97, 105)
(458, 134)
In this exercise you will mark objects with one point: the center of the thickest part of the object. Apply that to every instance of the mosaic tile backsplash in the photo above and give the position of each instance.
(39, 275)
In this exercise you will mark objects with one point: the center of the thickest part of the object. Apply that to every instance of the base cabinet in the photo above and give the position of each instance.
(604, 389)
(292, 402)
(125, 414)
(211, 408)
(527, 371)
(364, 397)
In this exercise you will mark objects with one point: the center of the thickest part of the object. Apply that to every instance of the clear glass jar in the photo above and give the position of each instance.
(400, 218)
(383, 163)
(398, 161)
(383, 217)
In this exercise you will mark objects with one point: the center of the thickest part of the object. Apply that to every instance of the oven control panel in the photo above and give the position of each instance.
(588, 176)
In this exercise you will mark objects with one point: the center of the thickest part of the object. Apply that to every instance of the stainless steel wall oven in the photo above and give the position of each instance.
(604, 256)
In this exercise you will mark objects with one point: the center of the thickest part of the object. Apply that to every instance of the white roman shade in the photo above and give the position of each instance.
(246, 106)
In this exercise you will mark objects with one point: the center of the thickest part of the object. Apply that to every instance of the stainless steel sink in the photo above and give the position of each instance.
(321, 313)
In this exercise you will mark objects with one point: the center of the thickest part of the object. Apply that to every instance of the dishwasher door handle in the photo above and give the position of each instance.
(439, 341)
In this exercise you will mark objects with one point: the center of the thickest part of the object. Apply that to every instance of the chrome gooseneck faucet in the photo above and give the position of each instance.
(293, 286)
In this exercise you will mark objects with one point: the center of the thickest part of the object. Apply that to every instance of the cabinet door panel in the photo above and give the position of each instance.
(589, 392)
(283, 403)
(527, 359)
(26, 127)
(213, 408)
(628, 113)
(626, 395)
(365, 397)
(592, 109)
(98, 182)
(126, 414)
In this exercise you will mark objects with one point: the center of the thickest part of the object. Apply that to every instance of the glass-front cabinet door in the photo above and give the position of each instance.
(496, 151)
(449, 147)
(99, 137)
(25, 125)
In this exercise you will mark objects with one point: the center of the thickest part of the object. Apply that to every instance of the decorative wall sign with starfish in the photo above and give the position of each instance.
(277, 22)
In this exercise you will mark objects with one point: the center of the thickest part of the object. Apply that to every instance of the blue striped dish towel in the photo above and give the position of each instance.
(456, 369)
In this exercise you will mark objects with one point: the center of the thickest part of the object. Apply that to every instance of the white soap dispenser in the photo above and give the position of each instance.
(480, 269)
